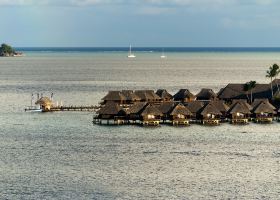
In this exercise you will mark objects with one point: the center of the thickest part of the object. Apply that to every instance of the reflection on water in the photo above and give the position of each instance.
(64, 156)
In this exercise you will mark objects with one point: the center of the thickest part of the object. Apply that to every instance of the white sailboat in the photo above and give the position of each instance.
(162, 55)
(130, 54)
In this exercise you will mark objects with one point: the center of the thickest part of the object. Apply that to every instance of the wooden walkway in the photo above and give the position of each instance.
(75, 108)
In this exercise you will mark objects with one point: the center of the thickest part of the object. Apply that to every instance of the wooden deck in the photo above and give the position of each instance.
(211, 122)
(263, 120)
(180, 122)
(240, 121)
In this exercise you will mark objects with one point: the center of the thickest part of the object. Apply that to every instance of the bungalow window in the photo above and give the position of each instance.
(151, 117)
(180, 116)
(210, 116)
(264, 114)
(239, 114)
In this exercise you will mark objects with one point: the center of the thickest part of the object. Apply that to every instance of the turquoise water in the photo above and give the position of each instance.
(64, 156)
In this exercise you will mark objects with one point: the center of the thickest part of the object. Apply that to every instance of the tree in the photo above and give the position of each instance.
(272, 73)
(6, 50)
(277, 71)
(248, 87)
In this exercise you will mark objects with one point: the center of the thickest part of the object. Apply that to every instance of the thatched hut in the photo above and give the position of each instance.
(151, 115)
(195, 107)
(148, 96)
(206, 95)
(130, 96)
(236, 91)
(166, 108)
(134, 112)
(164, 95)
(184, 95)
(210, 115)
(44, 103)
(114, 97)
(180, 115)
(222, 107)
(239, 113)
(111, 112)
(264, 112)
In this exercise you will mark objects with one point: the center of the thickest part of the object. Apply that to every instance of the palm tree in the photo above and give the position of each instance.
(277, 71)
(271, 73)
(249, 86)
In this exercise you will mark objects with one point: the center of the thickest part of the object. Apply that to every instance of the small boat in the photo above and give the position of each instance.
(130, 54)
(162, 55)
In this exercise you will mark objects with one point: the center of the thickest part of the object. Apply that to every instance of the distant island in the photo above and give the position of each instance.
(8, 51)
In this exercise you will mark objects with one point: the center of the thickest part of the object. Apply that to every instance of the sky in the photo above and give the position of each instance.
(142, 23)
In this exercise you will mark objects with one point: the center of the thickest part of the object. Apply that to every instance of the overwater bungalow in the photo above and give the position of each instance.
(184, 95)
(166, 108)
(44, 103)
(239, 113)
(130, 96)
(164, 95)
(148, 96)
(114, 97)
(111, 113)
(210, 115)
(195, 107)
(206, 95)
(151, 115)
(263, 112)
(180, 115)
(134, 112)
(222, 107)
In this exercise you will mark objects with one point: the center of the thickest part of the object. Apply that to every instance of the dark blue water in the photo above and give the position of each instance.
(150, 49)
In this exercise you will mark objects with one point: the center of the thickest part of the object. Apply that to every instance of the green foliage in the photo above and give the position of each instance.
(273, 71)
(6, 49)
(249, 85)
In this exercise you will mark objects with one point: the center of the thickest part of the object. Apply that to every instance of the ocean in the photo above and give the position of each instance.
(62, 155)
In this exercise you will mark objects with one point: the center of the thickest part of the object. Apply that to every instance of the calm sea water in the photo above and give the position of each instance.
(63, 156)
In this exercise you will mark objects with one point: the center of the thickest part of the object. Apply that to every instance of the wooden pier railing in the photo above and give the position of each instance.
(75, 108)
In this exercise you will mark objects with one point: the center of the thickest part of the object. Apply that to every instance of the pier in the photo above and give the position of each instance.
(75, 108)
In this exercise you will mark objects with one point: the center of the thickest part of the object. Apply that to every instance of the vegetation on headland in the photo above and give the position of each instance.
(8, 51)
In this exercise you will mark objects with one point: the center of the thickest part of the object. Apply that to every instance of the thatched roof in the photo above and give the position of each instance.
(258, 101)
(264, 107)
(136, 108)
(181, 109)
(162, 93)
(147, 95)
(166, 107)
(153, 95)
(111, 109)
(220, 104)
(236, 91)
(151, 110)
(242, 101)
(210, 108)
(183, 94)
(239, 107)
(44, 101)
(114, 96)
(130, 95)
(206, 94)
(195, 106)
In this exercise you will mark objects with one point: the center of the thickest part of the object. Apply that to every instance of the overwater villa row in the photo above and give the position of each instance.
(232, 103)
